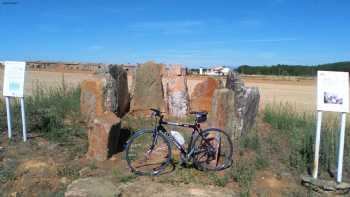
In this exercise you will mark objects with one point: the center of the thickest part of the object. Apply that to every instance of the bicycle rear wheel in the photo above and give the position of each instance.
(148, 152)
(213, 150)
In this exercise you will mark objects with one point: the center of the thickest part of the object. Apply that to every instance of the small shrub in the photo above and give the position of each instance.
(245, 193)
(261, 162)
(298, 130)
(253, 142)
(7, 173)
(250, 141)
(218, 180)
(243, 173)
(92, 165)
(53, 112)
(68, 171)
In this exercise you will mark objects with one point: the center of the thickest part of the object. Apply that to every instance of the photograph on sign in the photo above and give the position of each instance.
(14, 78)
(333, 91)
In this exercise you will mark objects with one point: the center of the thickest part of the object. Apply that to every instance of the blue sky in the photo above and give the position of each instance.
(190, 32)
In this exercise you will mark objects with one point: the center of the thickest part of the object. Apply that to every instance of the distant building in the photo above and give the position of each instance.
(215, 71)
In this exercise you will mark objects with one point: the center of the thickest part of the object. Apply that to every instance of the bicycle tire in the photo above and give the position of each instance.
(206, 159)
(148, 169)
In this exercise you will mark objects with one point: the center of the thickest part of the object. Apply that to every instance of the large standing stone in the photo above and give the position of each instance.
(92, 98)
(176, 70)
(175, 91)
(103, 136)
(108, 92)
(178, 102)
(117, 90)
(202, 94)
(92, 187)
(148, 92)
(223, 112)
(246, 102)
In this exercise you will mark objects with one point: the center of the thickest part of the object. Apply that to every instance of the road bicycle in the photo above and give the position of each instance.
(148, 151)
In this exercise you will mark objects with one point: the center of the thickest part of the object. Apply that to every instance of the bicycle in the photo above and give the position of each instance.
(148, 151)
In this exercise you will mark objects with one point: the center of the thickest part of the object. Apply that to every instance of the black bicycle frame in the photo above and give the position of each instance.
(195, 128)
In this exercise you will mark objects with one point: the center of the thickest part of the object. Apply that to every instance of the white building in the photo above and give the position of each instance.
(215, 71)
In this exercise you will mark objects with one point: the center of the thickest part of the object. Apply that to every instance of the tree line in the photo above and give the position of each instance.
(293, 70)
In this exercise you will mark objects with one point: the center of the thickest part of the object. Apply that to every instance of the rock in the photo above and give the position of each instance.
(84, 171)
(246, 102)
(31, 175)
(223, 111)
(250, 107)
(148, 92)
(177, 96)
(117, 91)
(64, 180)
(103, 136)
(92, 187)
(92, 102)
(108, 92)
(37, 168)
(324, 186)
(176, 70)
(234, 82)
(14, 194)
(201, 97)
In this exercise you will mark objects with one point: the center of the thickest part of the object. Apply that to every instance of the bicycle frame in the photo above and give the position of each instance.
(195, 129)
(203, 147)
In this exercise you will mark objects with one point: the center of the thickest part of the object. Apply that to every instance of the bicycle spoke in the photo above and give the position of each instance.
(213, 150)
(145, 158)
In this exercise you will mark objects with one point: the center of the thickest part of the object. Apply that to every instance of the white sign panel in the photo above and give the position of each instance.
(14, 78)
(333, 91)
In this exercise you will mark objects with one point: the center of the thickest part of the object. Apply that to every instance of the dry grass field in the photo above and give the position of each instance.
(299, 92)
(34, 79)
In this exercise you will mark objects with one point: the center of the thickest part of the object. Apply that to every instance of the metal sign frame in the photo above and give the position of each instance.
(340, 146)
(9, 114)
(342, 111)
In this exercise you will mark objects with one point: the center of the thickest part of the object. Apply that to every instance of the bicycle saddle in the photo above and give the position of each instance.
(157, 112)
(200, 116)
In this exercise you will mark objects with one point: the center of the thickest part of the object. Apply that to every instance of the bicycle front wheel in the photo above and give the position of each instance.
(148, 152)
(213, 150)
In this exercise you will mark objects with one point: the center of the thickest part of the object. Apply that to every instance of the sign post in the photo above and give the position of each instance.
(317, 144)
(8, 112)
(332, 95)
(341, 147)
(13, 87)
